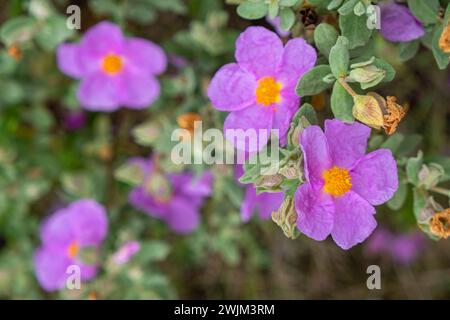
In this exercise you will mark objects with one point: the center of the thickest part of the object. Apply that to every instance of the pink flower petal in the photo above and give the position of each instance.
(183, 216)
(144, 56)
(259, 51)
(232, 88)
(100, 92)
(67, 56)
(353, 220)
(347, 142)
(139, 90)
(374, 177)
(315, 211)
(285, 110)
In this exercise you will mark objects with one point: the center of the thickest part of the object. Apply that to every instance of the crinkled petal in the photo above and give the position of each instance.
(297, 59)
(249, 129)
(139, 90)
(144, 56)
(57, 231)
(50, 268)
(183, 216)
(315, 211)
(347, 142)
(103, 38)
(200, 186)
(285, 110)
(354, 220)
(100, 92)
(67, 57)
(248, 204)
(269, 202)
(374, 177)
(398, 23)
(232, 88)
(89, 221)
(259, 51)
(316, 155)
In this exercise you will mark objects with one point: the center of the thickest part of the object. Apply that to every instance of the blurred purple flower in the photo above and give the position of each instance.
(83, 224)
(402, 248)
(275, 23)
(178, 61)
(342, 183)
(259, 90)
(398, 23)
(74, 120)
(126, 252)
(114, 71)
(178, 206)
(264, 204)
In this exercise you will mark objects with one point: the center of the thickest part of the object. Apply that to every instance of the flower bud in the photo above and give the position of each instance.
(368, 110)
(367, 74)
(286, 218)
(158, 186)
(429, 176)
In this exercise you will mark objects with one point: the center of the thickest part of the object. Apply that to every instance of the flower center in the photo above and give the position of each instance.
(268, 91)
(337, 181)
(112, 64)
(73, 249)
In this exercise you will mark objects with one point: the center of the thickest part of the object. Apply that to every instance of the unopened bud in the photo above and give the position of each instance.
(286, 218)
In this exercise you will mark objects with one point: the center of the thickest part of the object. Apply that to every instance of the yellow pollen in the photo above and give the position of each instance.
(72, 249)
(268, 91)
(112, 64)
(337, 181)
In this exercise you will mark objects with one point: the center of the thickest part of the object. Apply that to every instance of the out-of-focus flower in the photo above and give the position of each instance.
(15, 52)
(444, 40)
(114, 71)
(276, 24)
(402, 248)
(126, 252)
(74, 120)
(188, 121)
(174, 198)
(264, 203)
(259, 90)
(440, 224)
(342, 183)
(398, 24)
(377, 112)
(81, 225)
(178, 61)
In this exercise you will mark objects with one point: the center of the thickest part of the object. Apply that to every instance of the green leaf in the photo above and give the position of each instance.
(18, 30)
(325, 36)
(150, 251)
(288, 3)
(399, 197)
(427, 11)
(252, 10)
(413, 166)
(53, 33)
(394, 142)
(312, 83)
(334, 4)
(287, 18)
(273, 9)
(339, 57)
(355, 29)
(347, 7)
(442, 58)
(408, 49)
(307, 111)
(341, 103)
(359, 9)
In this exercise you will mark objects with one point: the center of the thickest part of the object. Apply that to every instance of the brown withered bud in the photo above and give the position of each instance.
(444, 40)
(440, 224)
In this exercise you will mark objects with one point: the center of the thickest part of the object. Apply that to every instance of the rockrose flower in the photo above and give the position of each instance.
(126, 252)
(342, 183)
(83, 224)
(264, 203)
(259, 90)
(174, 198)
(114, 71)
(398, 23)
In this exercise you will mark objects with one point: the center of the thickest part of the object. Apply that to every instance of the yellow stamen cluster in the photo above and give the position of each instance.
(268, 91)
(337, 181)
(112, 64)
(72, 249)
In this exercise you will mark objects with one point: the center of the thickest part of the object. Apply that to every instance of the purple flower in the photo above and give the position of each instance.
(402, 248)
(178, 204)
(74, 120)
(126, 252)
(259, 89)
(342, 184)
(114, 71)
(264, 203)
(398, 23)
(83, 224)
(275, 23)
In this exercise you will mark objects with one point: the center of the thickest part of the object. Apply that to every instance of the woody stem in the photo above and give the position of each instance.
(345, 85)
